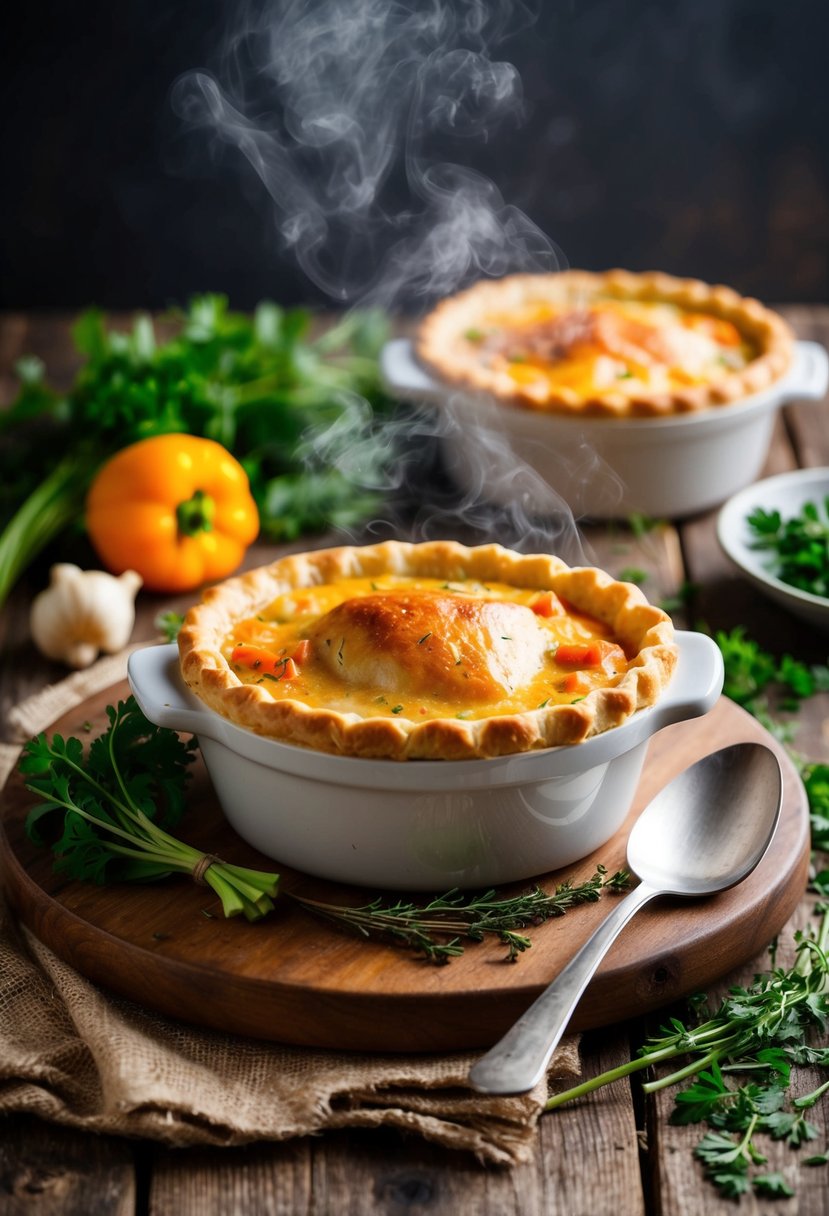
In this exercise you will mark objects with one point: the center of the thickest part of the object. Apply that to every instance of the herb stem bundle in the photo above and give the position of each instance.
(110, 826)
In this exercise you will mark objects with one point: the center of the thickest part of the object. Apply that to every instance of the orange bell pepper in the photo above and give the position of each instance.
(175, 508)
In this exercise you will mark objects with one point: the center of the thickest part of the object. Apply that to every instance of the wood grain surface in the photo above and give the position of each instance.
(297, 979)
(615, 1152)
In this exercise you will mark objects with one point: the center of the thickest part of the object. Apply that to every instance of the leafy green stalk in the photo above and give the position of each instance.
(778, 1008)
(114, 806)
(45, 514)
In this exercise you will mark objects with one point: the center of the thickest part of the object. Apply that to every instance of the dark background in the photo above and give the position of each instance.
(690, 136)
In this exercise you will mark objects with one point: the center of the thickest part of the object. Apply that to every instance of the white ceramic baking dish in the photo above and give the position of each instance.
(604, 468)
(424, 824)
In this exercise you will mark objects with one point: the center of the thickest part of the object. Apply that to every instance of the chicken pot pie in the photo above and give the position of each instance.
(426, 651)
(616, 344)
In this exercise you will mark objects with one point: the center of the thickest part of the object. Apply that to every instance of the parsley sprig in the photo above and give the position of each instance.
(800, 545)
(115, 804)
(762, 1027)
(751, 673)
(737, 1114)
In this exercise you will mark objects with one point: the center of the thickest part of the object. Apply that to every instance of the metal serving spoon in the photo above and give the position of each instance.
(704, 832)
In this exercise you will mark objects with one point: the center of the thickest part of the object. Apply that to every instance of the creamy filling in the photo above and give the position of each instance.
(626, 346)
(424, 648)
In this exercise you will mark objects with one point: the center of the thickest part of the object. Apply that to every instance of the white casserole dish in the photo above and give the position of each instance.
(425, 824)
(605, 468)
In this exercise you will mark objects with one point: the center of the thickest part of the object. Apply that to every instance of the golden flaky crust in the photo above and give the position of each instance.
(441, 342)
(643, 630)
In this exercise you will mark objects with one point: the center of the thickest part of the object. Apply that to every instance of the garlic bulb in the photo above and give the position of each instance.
(83, 612)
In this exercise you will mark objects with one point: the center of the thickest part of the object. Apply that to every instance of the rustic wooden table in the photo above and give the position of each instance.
(615, 1152)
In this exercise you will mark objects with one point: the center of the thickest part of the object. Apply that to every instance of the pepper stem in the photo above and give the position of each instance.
(195, 514)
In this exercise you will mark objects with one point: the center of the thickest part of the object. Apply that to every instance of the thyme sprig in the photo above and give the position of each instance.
(437, 929)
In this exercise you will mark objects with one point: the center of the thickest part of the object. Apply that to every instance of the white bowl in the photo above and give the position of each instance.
(787, 493)
(605, 468)
(425, 824)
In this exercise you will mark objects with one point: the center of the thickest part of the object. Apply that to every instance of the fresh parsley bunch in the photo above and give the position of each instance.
(114, 804)
(287, 404)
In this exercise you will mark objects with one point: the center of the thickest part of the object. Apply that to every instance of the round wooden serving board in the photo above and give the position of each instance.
(297, 979)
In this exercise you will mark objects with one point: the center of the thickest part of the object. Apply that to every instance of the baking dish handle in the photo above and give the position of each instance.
(162, 696)
(697, 684)
(809, 376)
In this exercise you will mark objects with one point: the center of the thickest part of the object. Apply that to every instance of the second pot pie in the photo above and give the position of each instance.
(616, 344)
(426, 651)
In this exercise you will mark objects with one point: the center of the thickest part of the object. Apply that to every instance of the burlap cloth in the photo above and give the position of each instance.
(76, 1055)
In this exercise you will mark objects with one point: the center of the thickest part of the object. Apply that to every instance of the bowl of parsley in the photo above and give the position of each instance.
(777, 533)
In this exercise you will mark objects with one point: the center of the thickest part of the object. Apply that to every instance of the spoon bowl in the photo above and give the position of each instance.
(708, 828)
(703, 832)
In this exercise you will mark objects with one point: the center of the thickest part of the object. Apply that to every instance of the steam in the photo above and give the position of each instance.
(334, 104)
(353, 114)
(477, 486)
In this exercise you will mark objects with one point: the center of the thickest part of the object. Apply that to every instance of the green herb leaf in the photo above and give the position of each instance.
(799, 545)
(289, 407)
(108, 810)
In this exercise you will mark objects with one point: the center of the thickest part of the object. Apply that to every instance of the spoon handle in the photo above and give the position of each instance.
(518, 1060)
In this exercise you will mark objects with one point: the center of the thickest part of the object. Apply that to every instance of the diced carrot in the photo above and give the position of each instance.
(547, 604)
(264, 662)
(581, 654)
(302, 651)
(574, 682)
(596, 653)
(254, 657)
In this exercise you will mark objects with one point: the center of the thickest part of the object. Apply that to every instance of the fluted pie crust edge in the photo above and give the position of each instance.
(439, 341)
(646, 632)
